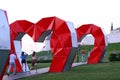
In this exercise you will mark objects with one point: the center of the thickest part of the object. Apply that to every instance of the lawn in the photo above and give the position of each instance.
(110, 48)
(101, 71)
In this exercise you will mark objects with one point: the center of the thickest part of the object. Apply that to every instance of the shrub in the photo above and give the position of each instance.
(113, 57)
(118, 56)
(40, 61)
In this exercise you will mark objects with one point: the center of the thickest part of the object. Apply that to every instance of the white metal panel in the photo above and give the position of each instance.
(4, 31)
(73, 33)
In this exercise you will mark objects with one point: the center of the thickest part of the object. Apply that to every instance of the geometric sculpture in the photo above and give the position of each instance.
(100, 41)
(63, 41)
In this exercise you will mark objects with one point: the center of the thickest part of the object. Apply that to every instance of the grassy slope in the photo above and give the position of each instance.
(101, 71)
(113, 46)
(110, 48)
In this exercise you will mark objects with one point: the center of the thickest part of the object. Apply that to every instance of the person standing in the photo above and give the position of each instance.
(12, 63)
(23, 59)
(34, 61)
(83, 53)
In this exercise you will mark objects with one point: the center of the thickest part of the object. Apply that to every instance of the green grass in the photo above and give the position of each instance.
(101, 71)
(111, 47)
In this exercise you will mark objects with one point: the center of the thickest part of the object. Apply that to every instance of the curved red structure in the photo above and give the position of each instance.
(99, 42)
(61, 44)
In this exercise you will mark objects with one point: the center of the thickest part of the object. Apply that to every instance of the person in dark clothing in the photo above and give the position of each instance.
(23, 59)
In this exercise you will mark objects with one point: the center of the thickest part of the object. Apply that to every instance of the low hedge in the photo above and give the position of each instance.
(41, 61)
(114, 57)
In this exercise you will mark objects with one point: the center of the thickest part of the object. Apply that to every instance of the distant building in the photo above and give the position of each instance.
(114, 35)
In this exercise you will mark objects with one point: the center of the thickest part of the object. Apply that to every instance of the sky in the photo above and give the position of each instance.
(98, 12)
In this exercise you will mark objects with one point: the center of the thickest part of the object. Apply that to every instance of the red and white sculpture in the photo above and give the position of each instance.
(63, 41)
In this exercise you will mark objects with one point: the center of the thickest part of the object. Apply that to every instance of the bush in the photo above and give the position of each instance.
(45, 61)
(113, 57)
(40, 61)
(118, 56)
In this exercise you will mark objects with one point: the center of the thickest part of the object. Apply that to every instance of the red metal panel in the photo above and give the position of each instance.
(58, 64)
(62, 37)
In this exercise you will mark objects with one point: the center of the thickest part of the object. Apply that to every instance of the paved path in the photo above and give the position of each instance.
(33, 72)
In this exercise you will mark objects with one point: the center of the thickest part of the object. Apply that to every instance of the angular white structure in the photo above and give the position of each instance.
(4, 42)
(4, 31)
